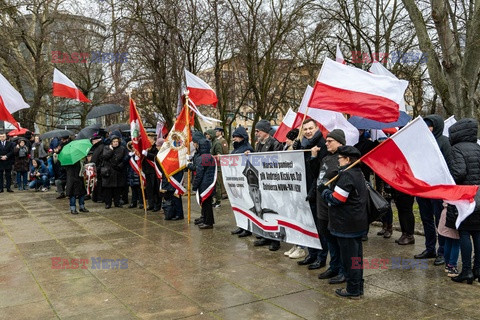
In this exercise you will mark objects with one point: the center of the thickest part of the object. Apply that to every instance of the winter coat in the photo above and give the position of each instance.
(75, 184)
(444, 229)
(113, 168)
(244, 145)
(442, 141)
(22, 164)
(7, 151)
(59, 171)
(365, 145)
(38, 151)
(270, 144)
(147, 167)
(349, 215)
(204, 164)
(464, 162)
(133, 177)
(307, 144)
(219, 146)
(41, 168)
(328, 170)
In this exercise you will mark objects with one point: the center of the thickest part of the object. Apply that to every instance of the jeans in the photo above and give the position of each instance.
(332, 246)
(466, 248)
(81, 202)
(43, 181)
(352, 248)
(430, 210)
(451, 251)
(22, 180)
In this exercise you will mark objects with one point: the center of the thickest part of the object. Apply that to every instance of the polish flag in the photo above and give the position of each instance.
(411, 162)
(339, 56)
(327, 120)
(65, 88)
(10, 101)
(351, 90)
(378, 68)
(199, 91)
(285, 126)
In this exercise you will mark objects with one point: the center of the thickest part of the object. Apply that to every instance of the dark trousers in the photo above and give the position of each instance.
(430, 211)
(8, 178)
(97, 194)
(109, 193)
(466, 249)
(172, 206)
(352, 248)
(207, 211)
(319, 254)
(152, 191)
(136, 195)
(404, 204)
(124, 195)
(332, 246)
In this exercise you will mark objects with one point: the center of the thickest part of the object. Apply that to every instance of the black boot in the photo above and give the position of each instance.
(476, 273)
(382, 232)
(464, 275)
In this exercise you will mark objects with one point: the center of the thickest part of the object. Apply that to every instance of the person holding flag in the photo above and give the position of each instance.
(153, 175)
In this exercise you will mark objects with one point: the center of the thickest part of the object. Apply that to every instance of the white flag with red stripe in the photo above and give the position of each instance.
(285, 126)
(329, 120)
(65, 88)
(411, 162)
(10, 101)
(351, 90)
(199, 91)
(378, 68)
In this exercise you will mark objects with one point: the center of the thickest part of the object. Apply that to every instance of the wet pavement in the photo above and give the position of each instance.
(172, 270)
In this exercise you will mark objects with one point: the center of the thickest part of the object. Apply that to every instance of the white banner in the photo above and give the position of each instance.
(267, 192)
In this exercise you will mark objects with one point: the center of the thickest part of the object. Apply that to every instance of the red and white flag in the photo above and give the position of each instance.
(285, 126)
(10, 101)
(378, 68)
(199, 91)
(140, 141)
(327, 120)
(351, 90)
(411, 162)
(65, 88)
(339, 56)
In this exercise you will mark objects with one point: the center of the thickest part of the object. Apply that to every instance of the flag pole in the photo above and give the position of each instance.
(301, 125)
(189, 200)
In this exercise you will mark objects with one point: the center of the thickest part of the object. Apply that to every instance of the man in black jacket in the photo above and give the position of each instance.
(6, 162)
(152, 187)
(430, 209)
(312, 137)
(266, 143)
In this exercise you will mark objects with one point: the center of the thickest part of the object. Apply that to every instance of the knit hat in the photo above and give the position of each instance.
(263, 125)
(349, 151)
(292, 134)
(219, 129)
(338, 135)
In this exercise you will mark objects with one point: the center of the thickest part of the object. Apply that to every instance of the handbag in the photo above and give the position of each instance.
(377, 206)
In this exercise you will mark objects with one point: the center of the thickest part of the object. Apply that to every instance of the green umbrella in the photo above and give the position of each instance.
(74, 152)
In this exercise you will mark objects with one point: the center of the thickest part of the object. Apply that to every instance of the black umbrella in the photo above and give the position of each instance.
(56, 133)
(103, 110)
(119, 127)
(87, 132)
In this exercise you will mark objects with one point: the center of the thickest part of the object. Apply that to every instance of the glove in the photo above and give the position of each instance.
(321, 187)
(312, 195)
(191, 166)
(296, 145)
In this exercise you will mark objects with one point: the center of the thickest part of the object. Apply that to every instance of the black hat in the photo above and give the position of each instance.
(338, 135)
(292, 134)
(197, 136)
(219, 129)
(251, 173)
(349, 151)
(263, 125)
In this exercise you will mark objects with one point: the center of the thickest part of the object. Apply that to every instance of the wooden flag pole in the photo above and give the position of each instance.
(300, 133)
(189, 192)
(349, 167)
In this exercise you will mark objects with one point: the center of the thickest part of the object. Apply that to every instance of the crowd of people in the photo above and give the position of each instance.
(339, 208)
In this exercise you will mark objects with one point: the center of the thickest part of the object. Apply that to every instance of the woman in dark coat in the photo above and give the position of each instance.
(22, 164)
(348, 218)
(114, 179)
(203, 164)
(464, 165)
(75, 187)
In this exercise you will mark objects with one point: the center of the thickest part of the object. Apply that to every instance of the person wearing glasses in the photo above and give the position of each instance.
(348, 218)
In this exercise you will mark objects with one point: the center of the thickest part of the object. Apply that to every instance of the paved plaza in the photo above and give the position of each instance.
(171, 270)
